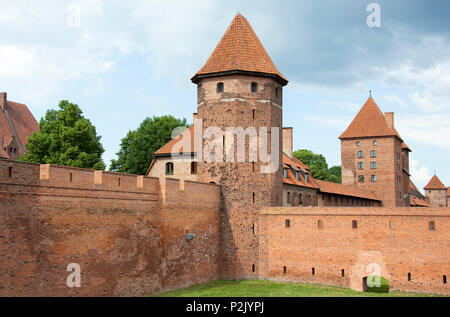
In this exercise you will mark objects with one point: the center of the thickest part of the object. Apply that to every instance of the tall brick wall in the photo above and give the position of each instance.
(126, 232)
(390, 183)
(245, 190)
(394, 242)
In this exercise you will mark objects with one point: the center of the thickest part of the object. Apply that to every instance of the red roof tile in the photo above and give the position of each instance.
(435, 183)
(345, 190)
(3, 154)
(293, 162)
(239, 50)
(21, 122)
(415, 201)
(168, 148)
(369, 122)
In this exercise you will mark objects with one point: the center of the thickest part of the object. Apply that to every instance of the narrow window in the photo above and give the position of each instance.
(297, 175)
(254, 87)
(15, 150)
(300, 199)
(253, 114)
(253, 228)
(288, 198)
(10, 150)
(194, 168)
(284, 270)
(70, 177)
(354, 224)
(444, 279)
(360, 154)
(391, 225)
(220, 87)
(342, 273)
(373, 178)
(361, 178)
(358, 143)
(373, 154)
(320, 224)
(277, 92)
(253, 166)
(431, 225)
(360, 165)
(373, 165)
(253, 194)
(119, 182)
(253, 268)
(10, 171)
(169, 168)
(313, 271)
(409, 276)
(288, 223)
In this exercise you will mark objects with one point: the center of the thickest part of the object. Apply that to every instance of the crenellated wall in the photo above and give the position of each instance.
(345, 244)
(127, 232)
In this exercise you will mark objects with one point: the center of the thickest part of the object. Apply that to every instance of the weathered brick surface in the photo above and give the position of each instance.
(394, 241)
(391, 184)
(237, 106)
(128, 236)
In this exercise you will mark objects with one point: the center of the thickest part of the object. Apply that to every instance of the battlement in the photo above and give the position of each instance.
(63, 180)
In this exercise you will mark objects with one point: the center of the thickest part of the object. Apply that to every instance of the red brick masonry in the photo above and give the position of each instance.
(395, 241)
(128, 237)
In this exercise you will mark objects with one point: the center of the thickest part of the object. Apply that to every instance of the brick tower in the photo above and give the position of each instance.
(374, 156)
(240, 87)
(436, 192)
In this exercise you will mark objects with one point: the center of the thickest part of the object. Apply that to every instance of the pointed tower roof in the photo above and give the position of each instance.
(369, 122)
(239, 52)
(435, 183)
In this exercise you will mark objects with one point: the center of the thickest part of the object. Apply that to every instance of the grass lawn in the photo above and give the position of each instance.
(253, 288)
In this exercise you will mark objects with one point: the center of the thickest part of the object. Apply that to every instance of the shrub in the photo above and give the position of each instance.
(382, 288)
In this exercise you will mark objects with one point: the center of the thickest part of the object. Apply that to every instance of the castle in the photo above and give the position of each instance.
(193, 219)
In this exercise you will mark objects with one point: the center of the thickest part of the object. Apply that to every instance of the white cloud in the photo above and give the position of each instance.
(420, 175)
(395, 100)
(432, 129)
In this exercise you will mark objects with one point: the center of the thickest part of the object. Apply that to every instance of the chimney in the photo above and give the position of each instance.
(195, 116)
(389, 117)
(287, 141)
(3, 98)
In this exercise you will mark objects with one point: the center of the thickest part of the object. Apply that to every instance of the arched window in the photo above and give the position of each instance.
(169, 168)
(254, 87)
(220, 87)
(194, 168)
(431, 225)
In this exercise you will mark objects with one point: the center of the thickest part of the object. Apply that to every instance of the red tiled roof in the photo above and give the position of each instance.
(415, 201)
(298, 165)
(23, 123)
(435, 183)
(369, 122)
(345, 190)
(406, 147)
(3, 154)
(239, 50)
(168, 148)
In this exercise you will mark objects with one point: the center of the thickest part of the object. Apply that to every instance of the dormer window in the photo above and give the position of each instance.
(254, 87)
(285, 173)
(306, 178)
(220, 87)
(297, 176)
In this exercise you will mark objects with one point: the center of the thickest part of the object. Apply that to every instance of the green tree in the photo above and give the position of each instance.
(318, 166)
(316, 162)
(335, 174)
(65, 138)
(137, 148)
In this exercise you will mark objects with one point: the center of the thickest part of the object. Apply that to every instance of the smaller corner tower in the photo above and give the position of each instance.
(436, 193)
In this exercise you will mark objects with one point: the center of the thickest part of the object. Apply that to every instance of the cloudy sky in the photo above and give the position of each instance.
(122, 61)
